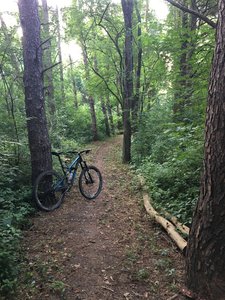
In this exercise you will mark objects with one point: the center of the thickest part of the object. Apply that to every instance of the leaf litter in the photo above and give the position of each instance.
(103, 249)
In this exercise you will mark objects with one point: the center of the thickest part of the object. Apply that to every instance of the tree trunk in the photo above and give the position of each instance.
(47, 60)
(127, 6)
(73, 83)
(181, 82)
(60, 57)
(106, 119)
(39, 143)
(146, 14)
(109, 109)
(103, 106)
(93, 118)
(184, 83)
(119, 121)
(90, 99)
(206, 247)
(193, 17)
(136, 98)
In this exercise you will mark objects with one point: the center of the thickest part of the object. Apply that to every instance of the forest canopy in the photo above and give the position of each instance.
(133, 73)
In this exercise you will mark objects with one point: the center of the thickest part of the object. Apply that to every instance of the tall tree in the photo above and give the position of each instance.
(60, 55)
(190, 52)
(90, 98)
(39, 143)
(103, 104)
(201, 16)
(182, 96)
(109, 110)
(127, 6)
(80, 28)
(106, 119)
(206, 248)
(73, 83)
(47, 59)
(137, 94)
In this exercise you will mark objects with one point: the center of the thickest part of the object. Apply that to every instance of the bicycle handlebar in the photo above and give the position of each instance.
(85, 151)
(70, 152)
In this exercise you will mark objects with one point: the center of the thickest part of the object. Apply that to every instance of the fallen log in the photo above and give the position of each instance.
(170, 227)
(167, 225)
(183, 228)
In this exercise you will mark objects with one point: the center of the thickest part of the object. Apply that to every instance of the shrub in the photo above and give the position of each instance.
(14, 208)
(13, 212)
(172, 166)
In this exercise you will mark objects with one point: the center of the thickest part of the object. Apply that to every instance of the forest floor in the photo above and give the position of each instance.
(103, 249)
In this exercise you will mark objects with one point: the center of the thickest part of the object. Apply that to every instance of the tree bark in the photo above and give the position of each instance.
(206, 247)
(47, 60)
(109, 109)
(136, 98)
(106, 119)
(181, 84)
(192, 11)
(184, 83)
(73, 83)
(168, 226)
(60, 56)
(119, 117)
(90, 99)
(127, 7)
(39, 143)
(93, 118)
(103, 106)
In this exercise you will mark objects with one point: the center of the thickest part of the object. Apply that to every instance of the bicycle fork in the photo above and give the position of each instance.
(87, 175)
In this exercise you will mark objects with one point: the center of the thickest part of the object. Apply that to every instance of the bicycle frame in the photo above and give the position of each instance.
(73, 166)
(51, 186)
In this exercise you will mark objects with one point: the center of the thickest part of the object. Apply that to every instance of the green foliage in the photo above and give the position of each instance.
(9, 238)
(58, 287)
(142, 275)
(14, 158)
(151, 124)
(13, 212)
(168, 147)
(167, 150)
(170, 159)
(14, 208)
(73, 125)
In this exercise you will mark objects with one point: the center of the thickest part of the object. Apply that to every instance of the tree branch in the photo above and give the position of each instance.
(44, 42)
(51, 67)
(193, 12)
(104, 12)
(104, 80)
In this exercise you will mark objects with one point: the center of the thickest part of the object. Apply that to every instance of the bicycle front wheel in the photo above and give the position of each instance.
(90, 182)
(49, 190)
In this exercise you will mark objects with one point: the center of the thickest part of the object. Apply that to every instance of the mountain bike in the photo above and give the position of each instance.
(51, 187)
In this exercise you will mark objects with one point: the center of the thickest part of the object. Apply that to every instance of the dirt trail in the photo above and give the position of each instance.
(102, 249)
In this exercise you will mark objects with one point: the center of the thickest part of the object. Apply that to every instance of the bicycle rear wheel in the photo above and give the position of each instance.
(90, 182)
(49, 190)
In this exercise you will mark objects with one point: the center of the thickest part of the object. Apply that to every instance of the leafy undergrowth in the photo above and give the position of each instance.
(14, 212)
(169, 155)
(103, 249)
